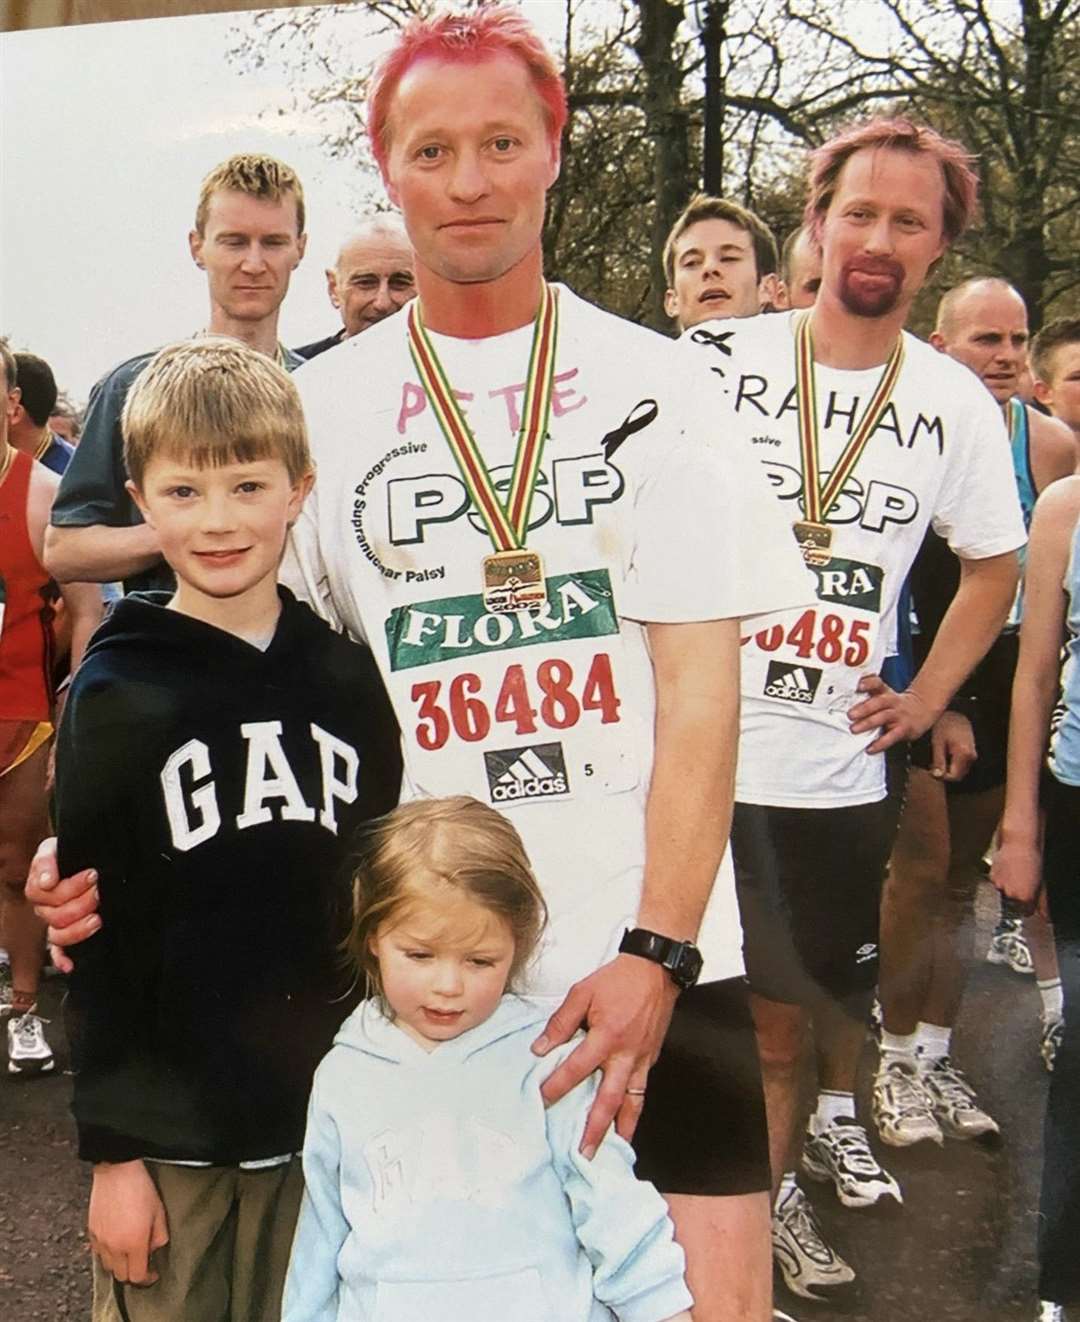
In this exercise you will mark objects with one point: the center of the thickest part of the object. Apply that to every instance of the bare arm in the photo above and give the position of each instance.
(84, 611)
(1017, 866)
(626, 1005)
(100, 554)
(972, 622)
(82, 601)
(1053, 450)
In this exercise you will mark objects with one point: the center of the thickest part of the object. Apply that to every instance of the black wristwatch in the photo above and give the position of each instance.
(682, 959)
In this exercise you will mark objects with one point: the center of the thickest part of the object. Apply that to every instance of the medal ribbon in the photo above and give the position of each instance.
(506, 524)
(818, 500)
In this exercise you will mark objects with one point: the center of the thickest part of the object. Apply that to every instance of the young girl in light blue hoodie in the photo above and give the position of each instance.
(438, 1186)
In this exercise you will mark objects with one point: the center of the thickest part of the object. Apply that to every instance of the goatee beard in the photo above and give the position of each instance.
(871, 303)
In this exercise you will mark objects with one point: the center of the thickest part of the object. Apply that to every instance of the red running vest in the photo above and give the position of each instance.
(25, 610)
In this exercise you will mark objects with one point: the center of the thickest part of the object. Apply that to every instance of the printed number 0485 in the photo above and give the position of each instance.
(821, 636)
(468, 710)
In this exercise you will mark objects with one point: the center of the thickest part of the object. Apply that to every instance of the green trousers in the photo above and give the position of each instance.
(230, 1233)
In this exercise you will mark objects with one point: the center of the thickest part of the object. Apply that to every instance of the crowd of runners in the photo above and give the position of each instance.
(691, 661)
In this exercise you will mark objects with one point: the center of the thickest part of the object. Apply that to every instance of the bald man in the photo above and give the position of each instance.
(372, 278)
(800, 272)
(956, 786)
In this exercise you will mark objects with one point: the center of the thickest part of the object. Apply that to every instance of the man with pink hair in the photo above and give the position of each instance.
(516, 509)
(868, 437)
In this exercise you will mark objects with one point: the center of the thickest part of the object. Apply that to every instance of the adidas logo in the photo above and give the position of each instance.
(526, 773)
(792, 683)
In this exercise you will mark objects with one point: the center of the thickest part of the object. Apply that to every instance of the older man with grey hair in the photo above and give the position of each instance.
(372, 278)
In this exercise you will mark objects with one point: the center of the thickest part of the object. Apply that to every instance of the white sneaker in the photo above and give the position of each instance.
(809, 1266)
(1049, 1312)
(28, 1052)
(1009, 946)
(903, 1110)
(1050, 1041)
(841, 1153)
(955, 1106)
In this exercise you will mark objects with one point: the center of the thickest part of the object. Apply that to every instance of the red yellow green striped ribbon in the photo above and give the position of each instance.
(818, 500)
(506, 523)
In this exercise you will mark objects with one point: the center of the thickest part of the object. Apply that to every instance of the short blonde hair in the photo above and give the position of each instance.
(213, 401)
(255, 175)
(458, 843)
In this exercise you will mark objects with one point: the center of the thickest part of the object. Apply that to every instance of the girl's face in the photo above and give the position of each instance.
(443, 964)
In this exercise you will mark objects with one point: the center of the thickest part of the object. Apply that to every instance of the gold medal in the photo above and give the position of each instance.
(814, 540)
(514, 581)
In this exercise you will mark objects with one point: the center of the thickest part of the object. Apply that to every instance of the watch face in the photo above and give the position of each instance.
(688, 969)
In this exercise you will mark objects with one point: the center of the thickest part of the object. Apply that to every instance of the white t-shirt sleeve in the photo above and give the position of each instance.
(302, 569)
(710, 539)
(978, 509)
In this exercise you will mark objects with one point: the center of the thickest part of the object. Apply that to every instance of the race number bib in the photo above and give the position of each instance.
(815, 657)
(517, 706)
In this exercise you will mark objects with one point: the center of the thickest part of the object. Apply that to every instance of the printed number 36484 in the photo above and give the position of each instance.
(561, 701)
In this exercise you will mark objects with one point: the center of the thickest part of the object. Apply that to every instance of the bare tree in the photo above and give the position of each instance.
(995, 73)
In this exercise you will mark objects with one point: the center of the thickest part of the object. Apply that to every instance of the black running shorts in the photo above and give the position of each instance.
(703, 1128)
(809, 882)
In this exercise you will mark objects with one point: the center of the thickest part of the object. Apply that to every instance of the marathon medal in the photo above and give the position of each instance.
(814, 540)
(813, 532)
(513, 576)
(514, 581)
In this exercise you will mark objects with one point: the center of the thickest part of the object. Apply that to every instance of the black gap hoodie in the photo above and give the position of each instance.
(203, 777)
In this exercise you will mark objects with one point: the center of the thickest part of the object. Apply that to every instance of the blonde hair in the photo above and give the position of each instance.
(213, 401)
(457, 846)
(256, 175)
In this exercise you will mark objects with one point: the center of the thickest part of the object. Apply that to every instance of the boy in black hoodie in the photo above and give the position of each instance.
(218, 749)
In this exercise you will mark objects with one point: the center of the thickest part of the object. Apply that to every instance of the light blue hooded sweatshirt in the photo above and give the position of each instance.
(440, 1189)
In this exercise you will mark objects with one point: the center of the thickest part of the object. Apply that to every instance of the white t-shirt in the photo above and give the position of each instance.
(939, 456)
(549, 719)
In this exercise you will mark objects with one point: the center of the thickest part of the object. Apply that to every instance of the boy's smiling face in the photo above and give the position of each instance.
(221, 529)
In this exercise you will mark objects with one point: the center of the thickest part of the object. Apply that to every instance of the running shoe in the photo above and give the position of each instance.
(1049, 1312)
(903, 1110)
(1009, 946)
(841, 1153)
(28, 1052)
(1050, 1041)
(953, 1099)
(809, 1267)
(5, 989)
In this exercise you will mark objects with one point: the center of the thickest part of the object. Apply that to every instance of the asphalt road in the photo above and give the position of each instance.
(960, 1250)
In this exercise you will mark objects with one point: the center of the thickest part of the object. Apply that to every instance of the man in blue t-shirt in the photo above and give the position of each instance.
(249, 238)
